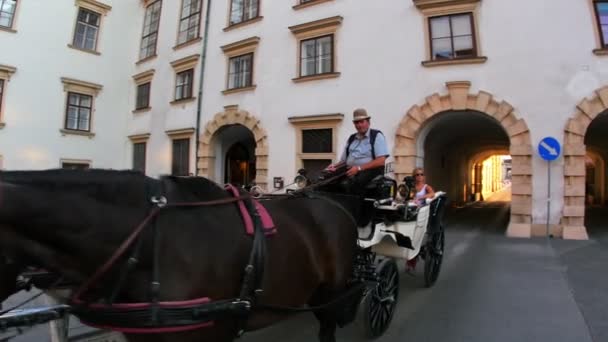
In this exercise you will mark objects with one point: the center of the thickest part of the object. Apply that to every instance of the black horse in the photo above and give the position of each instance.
(72, 221)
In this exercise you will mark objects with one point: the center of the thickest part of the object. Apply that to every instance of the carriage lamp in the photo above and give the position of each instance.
(278, 182)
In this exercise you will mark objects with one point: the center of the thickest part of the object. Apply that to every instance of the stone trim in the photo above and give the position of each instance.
(575, 151)
(139, 138)
(144, 77)
(65, 132)
(458, 97)
(242, 23)
(94, 6)
(6, 71)
(185, 63)
(188, 43)
(241, 47)
(81, 87)
(308, 4)
(230, 116)
(316, 77)
(434, 4)
(180, 133)
(316, 118)
(316, 28)
(456, 61)
(239, 90)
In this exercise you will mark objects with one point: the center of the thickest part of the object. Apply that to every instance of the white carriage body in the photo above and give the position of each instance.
(384, 242)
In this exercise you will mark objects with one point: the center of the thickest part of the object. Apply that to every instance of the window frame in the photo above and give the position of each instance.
(238, 49)
(189, 86)
(138, 95)
(190, 64)
(315, 30)
(139, 139)
(86, 164)
(140, 79)
(198, 24)
(603, 43)
(13, 16)
(160, 11)
(317, 59)
(181, 134)
(310, 122)
(249, 81)
(67, 111)
(450, 16)
(243, 21)
(5, 75)
(135, 160)
(98, 28)
(437, 8)
(71, 85)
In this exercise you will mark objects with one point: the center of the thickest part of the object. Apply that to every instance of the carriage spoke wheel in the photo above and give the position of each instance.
(433, 257)
(380, 302)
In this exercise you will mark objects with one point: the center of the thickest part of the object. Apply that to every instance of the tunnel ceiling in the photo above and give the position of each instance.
(465, 127)
(597, 133)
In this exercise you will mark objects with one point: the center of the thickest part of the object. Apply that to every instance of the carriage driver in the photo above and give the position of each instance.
(364, 154)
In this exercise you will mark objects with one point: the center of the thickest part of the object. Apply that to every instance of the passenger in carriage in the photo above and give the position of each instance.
(423, 190)
(365, 154)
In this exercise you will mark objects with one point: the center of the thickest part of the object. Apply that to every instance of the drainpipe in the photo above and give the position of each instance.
(200, 87)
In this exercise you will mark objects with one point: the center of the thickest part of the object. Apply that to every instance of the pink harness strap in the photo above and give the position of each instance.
(267, 223)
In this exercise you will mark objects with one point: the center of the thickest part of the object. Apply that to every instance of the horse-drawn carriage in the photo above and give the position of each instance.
(315, 262)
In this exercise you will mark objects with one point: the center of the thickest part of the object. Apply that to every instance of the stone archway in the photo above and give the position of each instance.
(573, 219)
(230, 116)
(459, 99)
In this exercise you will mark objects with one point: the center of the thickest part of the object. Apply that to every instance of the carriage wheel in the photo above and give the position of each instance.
(380, 302)
(433, 257)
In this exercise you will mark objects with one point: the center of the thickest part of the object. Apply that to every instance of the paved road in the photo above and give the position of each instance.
(492, 289)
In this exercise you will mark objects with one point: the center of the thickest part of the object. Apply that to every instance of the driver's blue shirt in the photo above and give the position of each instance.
(360, 151)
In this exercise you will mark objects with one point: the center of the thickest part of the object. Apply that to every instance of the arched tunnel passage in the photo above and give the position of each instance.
(466, 154)
(596, 142)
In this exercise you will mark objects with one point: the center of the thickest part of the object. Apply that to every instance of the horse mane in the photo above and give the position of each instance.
(125, 186)
(195, 188)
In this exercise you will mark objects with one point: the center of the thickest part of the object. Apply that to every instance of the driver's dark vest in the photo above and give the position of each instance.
(372, 140)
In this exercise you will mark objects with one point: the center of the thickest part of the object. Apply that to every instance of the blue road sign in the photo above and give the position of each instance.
(549, 148)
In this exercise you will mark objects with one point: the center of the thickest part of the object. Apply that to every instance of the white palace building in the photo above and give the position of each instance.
(250, 91)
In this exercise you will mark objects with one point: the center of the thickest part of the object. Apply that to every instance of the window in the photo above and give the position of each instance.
(1, 95)
(243, 10)
(5, 75)
(7, 12)
(143, 96)
(240, 71)
(316, 141)
(452, 36)
(79, 106)
(150, 31)
(78, 115)
(87, 27)
(183, 85)
(316, 56)
(143, 84)
(451, 33)
(601, 14)
(139, 157)
(189, 21)
(316, 49)
(75, 165)
(180, 165)
(240, 65)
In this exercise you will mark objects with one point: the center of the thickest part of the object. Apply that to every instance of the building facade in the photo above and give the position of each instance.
(270, 87)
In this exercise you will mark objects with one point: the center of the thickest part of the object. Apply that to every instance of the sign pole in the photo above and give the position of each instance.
(548, 194)
(549, 149)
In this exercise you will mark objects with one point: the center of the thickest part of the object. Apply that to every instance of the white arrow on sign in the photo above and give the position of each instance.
(551, 150)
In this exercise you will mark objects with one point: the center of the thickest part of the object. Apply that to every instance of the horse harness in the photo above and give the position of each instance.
(160, 316)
